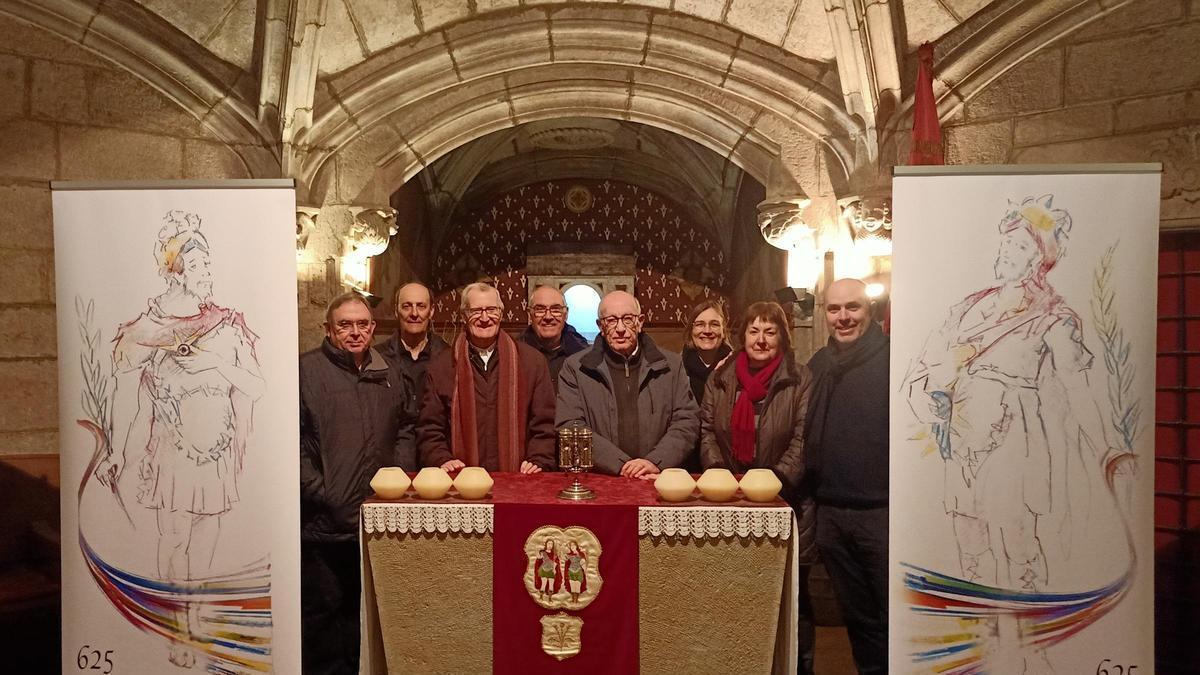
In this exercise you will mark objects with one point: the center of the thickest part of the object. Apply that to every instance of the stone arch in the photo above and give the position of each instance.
(730, 92)
(998, 38)
(211, 90)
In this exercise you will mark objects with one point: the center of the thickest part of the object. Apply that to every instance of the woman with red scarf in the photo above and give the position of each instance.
(753, 417)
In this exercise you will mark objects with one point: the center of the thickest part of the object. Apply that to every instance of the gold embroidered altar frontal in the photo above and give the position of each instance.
(719, 599)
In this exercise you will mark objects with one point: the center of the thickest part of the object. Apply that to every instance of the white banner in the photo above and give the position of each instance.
(179, 428)
(1022, 420)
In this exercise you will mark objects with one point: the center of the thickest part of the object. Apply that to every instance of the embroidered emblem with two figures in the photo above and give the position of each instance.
(563, 572)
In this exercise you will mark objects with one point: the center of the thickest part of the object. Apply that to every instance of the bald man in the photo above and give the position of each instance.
(636, 398)
(847, 451)
(413, 345)
(548, 330)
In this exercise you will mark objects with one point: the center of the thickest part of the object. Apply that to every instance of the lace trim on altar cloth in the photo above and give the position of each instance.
(701, 522)
(427, 518)
(698, 522)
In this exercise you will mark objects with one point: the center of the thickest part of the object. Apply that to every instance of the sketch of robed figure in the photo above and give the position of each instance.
(1003, 387)
(186, 378)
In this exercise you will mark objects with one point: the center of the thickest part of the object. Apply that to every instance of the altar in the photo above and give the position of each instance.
(523, 581)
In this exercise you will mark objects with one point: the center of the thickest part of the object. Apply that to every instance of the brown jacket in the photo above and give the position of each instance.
(536, 401)
(779, 439)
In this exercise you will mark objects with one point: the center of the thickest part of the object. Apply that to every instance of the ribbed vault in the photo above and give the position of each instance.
(742, 99)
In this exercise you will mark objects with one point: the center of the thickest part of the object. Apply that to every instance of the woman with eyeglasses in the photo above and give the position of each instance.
(753, 417)
(704, 343)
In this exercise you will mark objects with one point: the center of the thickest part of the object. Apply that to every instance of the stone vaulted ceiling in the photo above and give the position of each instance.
(355, 97)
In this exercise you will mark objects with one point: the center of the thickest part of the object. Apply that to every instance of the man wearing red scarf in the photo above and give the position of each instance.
(489, 400)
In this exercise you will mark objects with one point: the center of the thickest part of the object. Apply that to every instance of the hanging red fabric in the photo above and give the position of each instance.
(927, 145)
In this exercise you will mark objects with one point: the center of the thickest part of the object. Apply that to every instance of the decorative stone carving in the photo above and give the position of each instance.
(306, 222)
(370, 232)
(367, 237)
(578, 134)
(869, 220)
(1180, 156)
(782, 224)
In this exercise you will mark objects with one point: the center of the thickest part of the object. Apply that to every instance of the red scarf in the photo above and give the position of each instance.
(754, 389)
(463, 440)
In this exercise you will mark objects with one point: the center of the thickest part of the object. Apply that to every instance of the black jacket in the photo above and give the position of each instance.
(847, 433)
(409, 369)
(698, 372)
(572, 342)
(351, 423)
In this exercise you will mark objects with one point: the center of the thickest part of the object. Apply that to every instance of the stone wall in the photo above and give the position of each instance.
(1125, 88)
(66, 114)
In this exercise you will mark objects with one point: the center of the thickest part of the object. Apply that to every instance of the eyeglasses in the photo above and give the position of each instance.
(610, 322)
(552, 310)
(477, 312)
(363, 325)
(711, 325)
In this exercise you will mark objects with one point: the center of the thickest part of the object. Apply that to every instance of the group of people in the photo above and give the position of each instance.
(494, 401)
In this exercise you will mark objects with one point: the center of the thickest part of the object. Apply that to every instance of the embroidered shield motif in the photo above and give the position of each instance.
(563, 571)
(562, 635)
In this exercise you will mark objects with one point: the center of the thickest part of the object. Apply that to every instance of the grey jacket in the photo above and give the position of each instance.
(669, 419)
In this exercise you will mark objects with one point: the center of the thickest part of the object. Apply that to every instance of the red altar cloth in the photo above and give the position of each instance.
(610, 622)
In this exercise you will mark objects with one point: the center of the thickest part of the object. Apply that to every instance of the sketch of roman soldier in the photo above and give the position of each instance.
(1003, 385)
(186, 380)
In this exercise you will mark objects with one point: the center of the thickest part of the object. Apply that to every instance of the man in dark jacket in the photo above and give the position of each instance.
(848, 453)
(353, 421)
(488, 399)
(636, 398)
(413, 345)
(548, 330)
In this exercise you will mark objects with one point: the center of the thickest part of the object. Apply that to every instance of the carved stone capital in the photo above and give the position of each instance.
(306, 222)
(782, 224)
(370, 232)
(867, 219)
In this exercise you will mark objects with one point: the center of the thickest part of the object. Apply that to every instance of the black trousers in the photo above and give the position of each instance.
(806, 626)
(854, 547)
(330, 588)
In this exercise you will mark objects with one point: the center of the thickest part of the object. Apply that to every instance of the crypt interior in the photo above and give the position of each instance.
(680, 149)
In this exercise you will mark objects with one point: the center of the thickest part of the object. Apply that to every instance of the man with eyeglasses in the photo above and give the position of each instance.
(548, 330)
(353, 421)
(635, 397)
(413, 345)
(488, 399)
